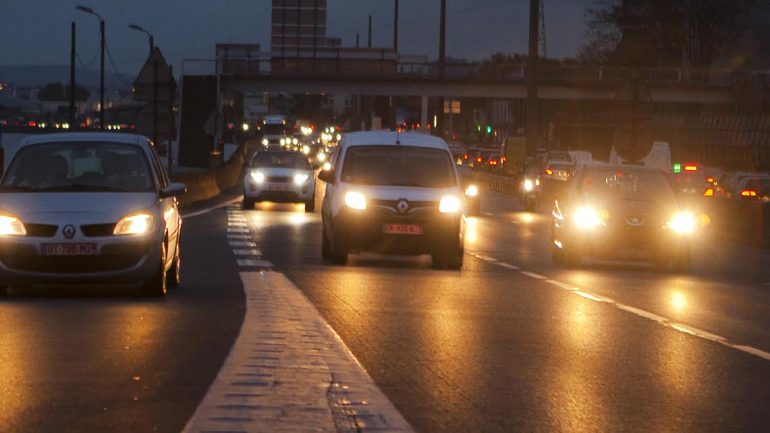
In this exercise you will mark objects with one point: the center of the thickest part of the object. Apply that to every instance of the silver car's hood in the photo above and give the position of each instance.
(96, 207)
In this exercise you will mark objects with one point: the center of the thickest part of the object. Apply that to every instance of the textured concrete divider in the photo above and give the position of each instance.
(207, 185)
(496, 183)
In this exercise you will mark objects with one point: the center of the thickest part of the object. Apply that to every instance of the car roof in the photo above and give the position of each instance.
(112, 137)
(639, 168)
(385, 138)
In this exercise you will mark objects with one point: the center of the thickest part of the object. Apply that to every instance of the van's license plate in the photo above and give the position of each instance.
(72, 249)
(402, 229)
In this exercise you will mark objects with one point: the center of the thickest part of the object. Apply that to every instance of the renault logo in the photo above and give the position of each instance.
(68, 231)
(634, 221)
(402, 206)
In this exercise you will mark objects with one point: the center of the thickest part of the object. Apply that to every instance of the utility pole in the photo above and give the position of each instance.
(370, 31)
(442, 40)
(101, 76)
(532, 63)
(72, 79)
(358, 40)
(395, 28)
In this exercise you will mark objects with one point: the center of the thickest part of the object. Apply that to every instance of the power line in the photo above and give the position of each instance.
(118, 74)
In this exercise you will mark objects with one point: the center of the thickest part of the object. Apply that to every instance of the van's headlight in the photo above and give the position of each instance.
(11, 226)
(134, 224)
(588, 218)
(321, 157)
(450, 204)
(306, 149)
(683, 223)
(300, 178)
(265, 141)
(294, 141)
(355, 200)
(472, 191)
(258, 176)
(283, 142)
(528, 185)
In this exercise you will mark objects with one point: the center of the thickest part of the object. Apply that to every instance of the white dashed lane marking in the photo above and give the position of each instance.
(635, 311)
(243, 244)
(238, 237)
(250, 252)
(245, 263)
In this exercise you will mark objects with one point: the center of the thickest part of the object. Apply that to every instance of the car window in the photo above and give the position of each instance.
(281, 160)
(79, 166)
(625, 184)
(399, 166)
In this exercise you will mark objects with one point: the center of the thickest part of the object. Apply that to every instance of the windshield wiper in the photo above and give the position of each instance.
(77, 187)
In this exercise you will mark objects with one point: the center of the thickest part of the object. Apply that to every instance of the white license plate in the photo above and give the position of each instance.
(402, 229)
(278, 187)
(70, 249)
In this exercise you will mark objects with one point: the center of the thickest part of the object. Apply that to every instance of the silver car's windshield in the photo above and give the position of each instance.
(79, 166)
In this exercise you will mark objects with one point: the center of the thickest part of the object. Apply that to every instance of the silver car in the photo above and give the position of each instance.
(89, 208)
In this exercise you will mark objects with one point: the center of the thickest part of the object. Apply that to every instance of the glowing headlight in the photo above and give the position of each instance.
(265, 141)
(321, 156)
(283, 142)
(683, 223)
(355, 200)
(472, 191)
(528, 185)
(327, 166)
(450, 204)
(134, 224)
(258, 177)
(294, 141)
(11, 226)
(588, 218)
(300, 178)
(306, 150)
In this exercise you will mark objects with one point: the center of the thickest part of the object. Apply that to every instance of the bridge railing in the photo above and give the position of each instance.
(383, 66)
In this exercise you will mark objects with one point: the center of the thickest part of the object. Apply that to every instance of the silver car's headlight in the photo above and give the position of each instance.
(138, 223)
(683, 223)
(11, 226)
(450, 204)
(265, 141)
(258, 176)
(300, 178)
(528, 185)
(472, 191)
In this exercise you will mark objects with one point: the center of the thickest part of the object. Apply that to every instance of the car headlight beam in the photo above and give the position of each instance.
(355, 200)
(11, 226)
(683, 223)
(450, 204)
(258, 176)
(300, 178)
(472, 191)
(587, 218)
(134, 224)
(528, 185)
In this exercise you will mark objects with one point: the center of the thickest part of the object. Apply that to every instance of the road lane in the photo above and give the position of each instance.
(98, 360)
(491, 349)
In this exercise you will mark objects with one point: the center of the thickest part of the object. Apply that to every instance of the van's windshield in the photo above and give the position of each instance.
(399, 166)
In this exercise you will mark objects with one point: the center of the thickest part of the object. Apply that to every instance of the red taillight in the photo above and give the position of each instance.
(493, 162)
(32, 124)
(466, 156)
(503, 159)
(549, 171)
(690, 168)
(479, 159)
(748, 193)
(709, 192)
(710, 179)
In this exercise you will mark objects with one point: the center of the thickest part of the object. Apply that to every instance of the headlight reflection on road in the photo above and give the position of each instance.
(472, 230)
(678, 301)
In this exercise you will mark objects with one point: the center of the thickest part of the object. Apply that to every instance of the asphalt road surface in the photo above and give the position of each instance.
(504, 345)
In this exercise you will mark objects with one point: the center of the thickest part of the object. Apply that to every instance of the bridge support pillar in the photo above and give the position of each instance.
(424, 114)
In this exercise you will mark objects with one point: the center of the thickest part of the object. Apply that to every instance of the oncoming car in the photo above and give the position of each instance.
(622, 212)
(89, 208)
(285, 177)
(393, 193)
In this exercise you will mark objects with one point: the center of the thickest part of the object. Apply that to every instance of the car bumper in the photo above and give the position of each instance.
(627, 244)
(365, 231)
(119, 261)
(282, 193)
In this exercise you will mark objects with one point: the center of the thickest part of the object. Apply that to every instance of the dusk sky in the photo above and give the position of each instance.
(37, 32)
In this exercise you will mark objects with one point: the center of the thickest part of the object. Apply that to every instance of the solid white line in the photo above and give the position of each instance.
(534, 275)
(210, 209)
(507, 266)
(753, 351)
(588, 296)
(642, 313)
(243, 244)
(561, 285)
(697, 332)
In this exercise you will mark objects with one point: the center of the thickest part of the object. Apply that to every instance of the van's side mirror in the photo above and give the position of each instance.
(326, 176)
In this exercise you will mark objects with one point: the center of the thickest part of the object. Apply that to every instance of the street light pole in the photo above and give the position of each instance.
(90, 11)
(154, 85)
(395, 28)
(532, 63)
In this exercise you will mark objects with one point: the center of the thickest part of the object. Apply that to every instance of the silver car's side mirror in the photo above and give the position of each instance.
(173, 190)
